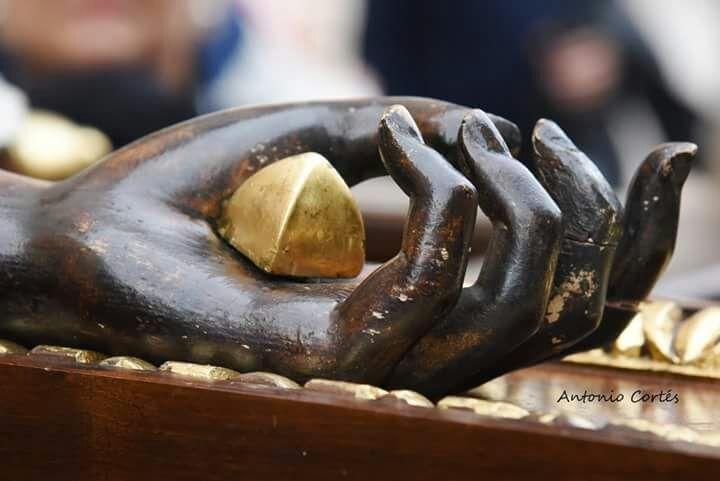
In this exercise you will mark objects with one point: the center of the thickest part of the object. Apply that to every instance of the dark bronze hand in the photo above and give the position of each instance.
(124, 258)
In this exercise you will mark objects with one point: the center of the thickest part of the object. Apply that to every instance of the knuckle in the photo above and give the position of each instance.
(549, 215)
(464, 189)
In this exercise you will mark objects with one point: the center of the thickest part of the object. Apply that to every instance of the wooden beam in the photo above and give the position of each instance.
(84, 423)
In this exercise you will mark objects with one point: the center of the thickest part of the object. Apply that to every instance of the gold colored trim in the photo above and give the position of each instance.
(81, 356)
(199, 371)
(660, 318)
(267, 379)
(492, 409)
(359, 391)
(632, 339)
(410, 398)
(9, 347)
(659, 340)
(572, 420)
(698, 336)
(128, 362)
(598, 357)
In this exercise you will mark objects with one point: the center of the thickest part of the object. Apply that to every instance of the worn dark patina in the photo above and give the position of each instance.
(124, 258)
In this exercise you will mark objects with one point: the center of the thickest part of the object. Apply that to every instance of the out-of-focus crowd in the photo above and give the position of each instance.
(618, 76)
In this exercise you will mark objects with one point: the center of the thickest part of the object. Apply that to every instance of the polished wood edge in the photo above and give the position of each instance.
(462, 419)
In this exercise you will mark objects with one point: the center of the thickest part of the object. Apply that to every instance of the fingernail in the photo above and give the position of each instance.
(398, 120)
(548, 137)
(679, 160)
(509, 131)
(478, 130)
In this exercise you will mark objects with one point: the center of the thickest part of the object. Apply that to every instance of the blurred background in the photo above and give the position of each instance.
(81, 77)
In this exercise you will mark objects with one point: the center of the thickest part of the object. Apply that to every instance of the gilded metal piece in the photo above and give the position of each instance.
(698, 335)
(359, 391)
(548, 418)
(199, 371)
(660, 321)
(632, 339)
(495, 390)
(690, 347)
(597, 357)
(9, 347)
(411, 398)
(710, 360)
(495, 409)
(297, 217)
(127, 362)
(48, 146)
(572, 420)
(80, 356)
(267, 379)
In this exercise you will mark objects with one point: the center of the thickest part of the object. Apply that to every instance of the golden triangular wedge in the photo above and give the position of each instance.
(297, 217)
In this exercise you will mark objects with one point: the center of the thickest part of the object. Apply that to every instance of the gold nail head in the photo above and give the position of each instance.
(128, 363)
(660, 321)
(710, 360)
(573, 420)
(9, 347)
(267, 379)
(80, 356)
(359, 391)
(297, 217)
(199, 371)
(698, 335)
(494, 390)
(410, 398)
(631, 341)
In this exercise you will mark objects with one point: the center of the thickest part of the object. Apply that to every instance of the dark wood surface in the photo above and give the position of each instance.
(69, 422)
